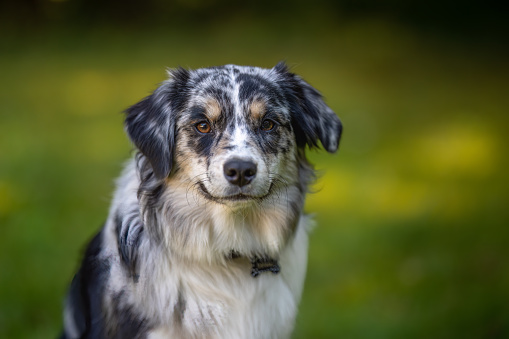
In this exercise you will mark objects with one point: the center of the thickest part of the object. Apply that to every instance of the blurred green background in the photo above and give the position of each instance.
(412, 238)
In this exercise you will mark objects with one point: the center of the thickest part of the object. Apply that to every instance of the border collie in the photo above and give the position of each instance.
(206, 235)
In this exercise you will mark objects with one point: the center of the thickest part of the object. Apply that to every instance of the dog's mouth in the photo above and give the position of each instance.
(240, 197)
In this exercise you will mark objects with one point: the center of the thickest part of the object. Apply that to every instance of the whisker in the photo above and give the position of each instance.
(191, 184)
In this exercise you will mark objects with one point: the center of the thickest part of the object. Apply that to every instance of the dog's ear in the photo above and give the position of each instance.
(312, 119)
(150, 123)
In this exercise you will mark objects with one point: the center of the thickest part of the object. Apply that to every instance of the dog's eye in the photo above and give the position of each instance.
(203, 127)
(267, 125)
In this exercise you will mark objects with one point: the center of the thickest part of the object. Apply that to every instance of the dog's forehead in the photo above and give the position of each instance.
(232, 83)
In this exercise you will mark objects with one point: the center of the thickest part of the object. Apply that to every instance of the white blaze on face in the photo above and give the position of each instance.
(239, 141)
(240, 135)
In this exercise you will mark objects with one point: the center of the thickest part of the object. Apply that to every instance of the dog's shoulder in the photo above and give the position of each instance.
(84, 300)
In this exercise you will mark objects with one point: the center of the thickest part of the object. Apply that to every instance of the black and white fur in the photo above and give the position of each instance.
(206, 237)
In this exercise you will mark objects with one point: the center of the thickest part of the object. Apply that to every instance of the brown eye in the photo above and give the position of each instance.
(203, 127)
(267, 125)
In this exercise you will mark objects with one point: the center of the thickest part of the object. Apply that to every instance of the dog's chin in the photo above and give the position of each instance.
(239, 198)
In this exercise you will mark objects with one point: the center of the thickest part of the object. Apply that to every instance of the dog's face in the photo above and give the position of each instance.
(234, 148)
(233, 133)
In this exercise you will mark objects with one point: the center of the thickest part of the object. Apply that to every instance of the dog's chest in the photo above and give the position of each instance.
(229, 303)
(234, 305)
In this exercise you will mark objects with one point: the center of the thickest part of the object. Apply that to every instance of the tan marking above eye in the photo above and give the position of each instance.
(203, 127)
(213, 109)
(257, 109)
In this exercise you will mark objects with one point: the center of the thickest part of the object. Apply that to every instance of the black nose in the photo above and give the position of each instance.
(239, 172)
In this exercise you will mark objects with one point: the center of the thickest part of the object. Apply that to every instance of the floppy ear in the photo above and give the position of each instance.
(150, 123)
(312, 119)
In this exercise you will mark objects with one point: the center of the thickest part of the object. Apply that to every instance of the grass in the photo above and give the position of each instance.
(412, 220)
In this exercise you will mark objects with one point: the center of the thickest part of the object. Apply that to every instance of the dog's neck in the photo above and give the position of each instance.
(212, 230)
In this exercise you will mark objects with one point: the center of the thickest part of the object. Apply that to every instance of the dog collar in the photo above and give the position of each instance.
(259, 265)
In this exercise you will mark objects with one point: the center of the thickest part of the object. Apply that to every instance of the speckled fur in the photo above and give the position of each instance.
(162, 266)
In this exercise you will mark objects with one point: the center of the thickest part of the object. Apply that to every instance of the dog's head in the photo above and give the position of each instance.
(235, 133)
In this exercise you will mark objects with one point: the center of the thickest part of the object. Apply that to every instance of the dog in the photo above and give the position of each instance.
(206, 235)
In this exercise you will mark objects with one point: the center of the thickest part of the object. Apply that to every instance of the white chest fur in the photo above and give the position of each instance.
(226, 302)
